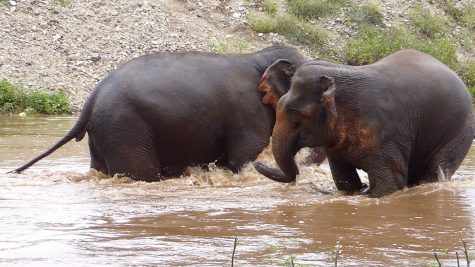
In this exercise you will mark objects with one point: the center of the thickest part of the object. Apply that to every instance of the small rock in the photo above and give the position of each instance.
(74, 57)
(22, 114)
(13, 3)
(236, 15)
(95, 58)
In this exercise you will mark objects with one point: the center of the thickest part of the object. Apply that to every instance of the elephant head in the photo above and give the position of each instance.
(306, 117)
(275, 81)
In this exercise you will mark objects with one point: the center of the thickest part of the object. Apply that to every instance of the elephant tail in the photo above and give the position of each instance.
(78, 131)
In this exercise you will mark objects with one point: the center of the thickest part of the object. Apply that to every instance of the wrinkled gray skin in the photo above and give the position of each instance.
(406, 119)
(158, 114)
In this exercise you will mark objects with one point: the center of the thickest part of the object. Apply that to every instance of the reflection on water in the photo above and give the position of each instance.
(58, 213)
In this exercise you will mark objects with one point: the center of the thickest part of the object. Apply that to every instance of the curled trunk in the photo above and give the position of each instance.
(284, 149)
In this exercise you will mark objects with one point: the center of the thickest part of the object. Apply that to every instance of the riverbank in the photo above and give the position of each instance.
(72, 45)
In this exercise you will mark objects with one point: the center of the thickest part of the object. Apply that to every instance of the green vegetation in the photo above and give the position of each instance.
(442, 34)
(230, 46)
(236, 243)
(374, 43)
(314, 9)
(281, 252)
(61, 2)
(270, 6)
(462, 13)
(367, 14)
(261, 22)
(428, 23)
(466, 71)
(14, 99)
(289, 26)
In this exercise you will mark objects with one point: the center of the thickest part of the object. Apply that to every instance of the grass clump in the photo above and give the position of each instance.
(61, 2)
(260, 22)
(466, 71)
(314, 9)
(270, 6)
(300, 32)
(14, 99)
(374, 43)
(463, 13)
(428, 23)
(367, 14)
(230, 47)
(289, 26)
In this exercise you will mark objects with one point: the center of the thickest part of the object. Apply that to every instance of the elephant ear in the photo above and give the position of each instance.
(327, 87)
(275, 81)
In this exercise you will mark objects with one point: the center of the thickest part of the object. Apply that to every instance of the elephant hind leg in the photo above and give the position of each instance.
(447, 160)
(97, 161)
(138, 160)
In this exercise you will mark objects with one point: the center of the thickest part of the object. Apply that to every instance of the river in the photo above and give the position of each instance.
(59, 213)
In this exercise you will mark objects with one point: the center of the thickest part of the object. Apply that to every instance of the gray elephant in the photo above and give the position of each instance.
(275, 82)
(159, 113)
(406, 119)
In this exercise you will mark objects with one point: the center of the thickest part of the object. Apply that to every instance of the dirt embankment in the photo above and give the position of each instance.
(47, 45)
(74, 44)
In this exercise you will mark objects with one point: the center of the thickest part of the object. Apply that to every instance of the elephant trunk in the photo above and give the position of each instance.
(284, 149)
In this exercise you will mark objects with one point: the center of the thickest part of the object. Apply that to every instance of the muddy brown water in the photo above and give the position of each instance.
(58, 213)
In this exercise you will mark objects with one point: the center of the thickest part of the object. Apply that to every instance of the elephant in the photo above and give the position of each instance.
(406, 119)
(275, 82)
(159, 113)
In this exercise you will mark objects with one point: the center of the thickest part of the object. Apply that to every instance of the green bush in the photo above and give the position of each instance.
(48, 103)
(314, 9)
(368, 13)
(428, 23)
(14, 99)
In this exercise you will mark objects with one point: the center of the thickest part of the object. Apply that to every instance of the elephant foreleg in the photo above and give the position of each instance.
(345, 176)
(242, 150)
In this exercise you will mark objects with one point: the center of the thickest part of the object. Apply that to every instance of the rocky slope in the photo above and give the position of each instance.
(74, 44)
(48, 45)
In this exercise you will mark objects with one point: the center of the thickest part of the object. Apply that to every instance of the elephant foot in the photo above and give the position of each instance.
(272, 173)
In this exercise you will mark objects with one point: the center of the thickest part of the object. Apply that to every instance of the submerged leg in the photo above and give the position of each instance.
(447, 160)
(345, 176)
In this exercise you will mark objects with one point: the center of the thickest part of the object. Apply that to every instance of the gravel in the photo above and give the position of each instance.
(49, 46)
